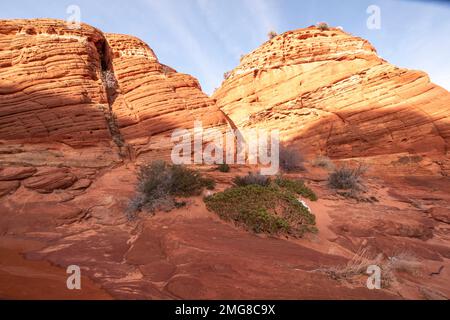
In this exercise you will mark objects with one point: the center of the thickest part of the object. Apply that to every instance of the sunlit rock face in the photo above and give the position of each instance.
(79, 109)
(77, 97)
(84, 98)
(50, 82)
(330, 93)
(153, 99)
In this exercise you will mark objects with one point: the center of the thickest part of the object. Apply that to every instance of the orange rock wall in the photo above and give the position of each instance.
(80, 98)
(329, 93)
(50, 86)
(153, 99)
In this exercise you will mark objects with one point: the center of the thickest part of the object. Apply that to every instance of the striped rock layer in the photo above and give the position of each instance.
(329, 93)
(80, 97)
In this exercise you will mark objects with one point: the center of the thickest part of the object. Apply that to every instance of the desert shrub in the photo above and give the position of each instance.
(323, 162)
(166, 70)
(358, 264)
(347, 178)
(134, 206)
(404, 261)
(272, 34)
(260, 220)
(251, 179)
(296, 186)
(223, 167)
(159, 183)
(291, 159)
(109, 79)
(187, 182)
(410, 159)
(267, 209)
(323, 26)
(226, 75)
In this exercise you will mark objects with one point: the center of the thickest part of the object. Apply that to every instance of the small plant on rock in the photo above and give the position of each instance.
(345, 178)
(271, 34)
(226, 75)
(296, 186)
(323, 162)
(291, 159)
(252, 179)
(266, 209)
(323, 26)
(223, 167)
(109, 79)
(159, 183)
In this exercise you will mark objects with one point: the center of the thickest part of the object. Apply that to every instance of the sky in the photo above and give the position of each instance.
(206, 38)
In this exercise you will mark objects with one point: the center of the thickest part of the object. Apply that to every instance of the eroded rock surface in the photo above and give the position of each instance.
(79, 109)
(153, 100)
(81, 98)
(330, 93)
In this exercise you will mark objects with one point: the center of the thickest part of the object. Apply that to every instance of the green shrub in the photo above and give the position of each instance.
(187, 182)
(251, 179)
(296, 186)
(260, 220)
(223, 167)
(159, 183)
(267, 209)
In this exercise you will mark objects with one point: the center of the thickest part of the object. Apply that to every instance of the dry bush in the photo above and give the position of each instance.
(355, 266)
(291, 159)
(272, 34)
(109, 79)
(399, 262)
(252, 179)
(350, 179)
(410, 159)
(323, 26)
(159, 183)
(323, 162)
(404, 261)
(226, 75)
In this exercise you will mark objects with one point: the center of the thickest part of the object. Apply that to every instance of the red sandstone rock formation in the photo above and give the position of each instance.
(330, 93)
(51, 94)
(75, 99)
(152, 99)
(73, 96)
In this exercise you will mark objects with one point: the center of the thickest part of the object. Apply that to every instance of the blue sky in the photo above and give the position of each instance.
(205, 38)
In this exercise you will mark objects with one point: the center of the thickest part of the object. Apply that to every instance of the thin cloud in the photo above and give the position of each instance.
(181, 34)
(209, 12)
(265, 14)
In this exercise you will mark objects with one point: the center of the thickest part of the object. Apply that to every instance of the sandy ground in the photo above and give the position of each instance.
(190, 253)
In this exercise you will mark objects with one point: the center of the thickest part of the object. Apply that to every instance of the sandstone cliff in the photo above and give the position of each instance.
(330, 93)
(76, 104)
(80, 98)
(153, 99)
